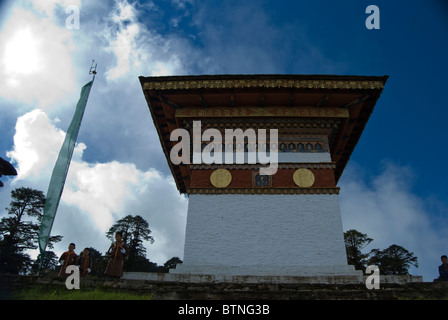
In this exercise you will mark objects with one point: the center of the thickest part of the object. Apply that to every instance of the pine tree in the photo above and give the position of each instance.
(355, 241)
(135, 230)
(394, 260)
(19, 231)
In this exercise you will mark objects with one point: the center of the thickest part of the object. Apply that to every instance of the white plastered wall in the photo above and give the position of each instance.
(266, 234)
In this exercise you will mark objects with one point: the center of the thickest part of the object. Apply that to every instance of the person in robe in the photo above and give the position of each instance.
(68, 258)
(443, 269)
(85, 263)
(117, 251)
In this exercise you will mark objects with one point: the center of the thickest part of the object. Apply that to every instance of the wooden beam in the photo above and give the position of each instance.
(357, 101)
(322, 101)
(202, 101)
(232, 100)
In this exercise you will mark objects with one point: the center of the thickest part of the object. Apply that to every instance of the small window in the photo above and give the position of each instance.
(261, 180)
(264, 147)
(291, 147)
(283, 147)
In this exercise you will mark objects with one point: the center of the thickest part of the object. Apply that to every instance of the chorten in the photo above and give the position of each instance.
(241, 221)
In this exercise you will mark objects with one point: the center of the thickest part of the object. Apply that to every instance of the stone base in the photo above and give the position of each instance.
(166, 286)
(249, 279)
(265, 270)
(277, 280)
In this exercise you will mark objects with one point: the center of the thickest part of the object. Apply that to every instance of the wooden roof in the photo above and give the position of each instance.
(355, 94)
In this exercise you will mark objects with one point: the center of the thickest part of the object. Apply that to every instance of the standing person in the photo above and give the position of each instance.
(68, 258)
(118, 251)
(85, 262)
(443, 269)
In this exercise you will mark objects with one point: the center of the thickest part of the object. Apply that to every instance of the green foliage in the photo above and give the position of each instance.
(395, 260)
(99, 262)
(50, 262)
(19, 231)
(171, 263)
(355, 241)
(61, 293)
(135, 230)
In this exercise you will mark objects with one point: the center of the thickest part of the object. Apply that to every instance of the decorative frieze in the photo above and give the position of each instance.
(309, 165)
(251, 178)
(263, 83)
(242, 112)
(205, 191)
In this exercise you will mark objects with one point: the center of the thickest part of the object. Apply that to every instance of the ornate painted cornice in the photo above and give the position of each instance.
(179, 83)
(307, 165)
(263, 190)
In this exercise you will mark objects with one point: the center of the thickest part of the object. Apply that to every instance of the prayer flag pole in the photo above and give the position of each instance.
(61, 167)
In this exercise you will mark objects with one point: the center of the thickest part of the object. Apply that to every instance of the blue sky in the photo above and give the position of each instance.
(393, 189)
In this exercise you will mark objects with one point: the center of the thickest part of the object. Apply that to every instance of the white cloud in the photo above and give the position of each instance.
(181, 4)
(22, 53)
(138, 50)
(123, 41)
(36, 144)
(99, 193)
(100, 189)
(35, 59)
(47, 7)
(389, 212)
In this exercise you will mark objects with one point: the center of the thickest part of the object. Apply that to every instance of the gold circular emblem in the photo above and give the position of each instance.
(221, 178)
(303, 178)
